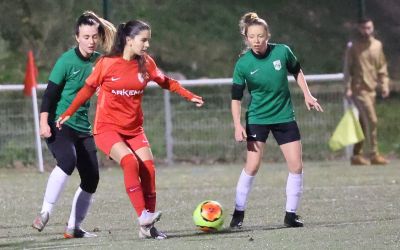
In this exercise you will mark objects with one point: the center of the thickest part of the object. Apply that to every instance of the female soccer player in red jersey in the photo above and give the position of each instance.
(118, 128)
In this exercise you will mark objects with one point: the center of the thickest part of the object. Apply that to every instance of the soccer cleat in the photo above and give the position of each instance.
(148, 219)
(40, 221)
(378, 159)
(359, 160)
(237, 219)
(150, 232)
(292, 220)
(71, 233)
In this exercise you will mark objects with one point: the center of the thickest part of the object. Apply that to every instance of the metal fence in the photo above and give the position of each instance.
(179, 131)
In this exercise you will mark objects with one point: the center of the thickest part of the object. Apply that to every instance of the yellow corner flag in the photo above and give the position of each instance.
(347, 132)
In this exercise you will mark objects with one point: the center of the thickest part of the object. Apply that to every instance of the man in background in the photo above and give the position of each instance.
(365, 70)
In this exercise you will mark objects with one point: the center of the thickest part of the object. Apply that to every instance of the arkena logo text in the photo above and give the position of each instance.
(127, 92)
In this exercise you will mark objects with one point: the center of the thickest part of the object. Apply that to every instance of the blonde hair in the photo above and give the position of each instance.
(107, 30)
(249, 19)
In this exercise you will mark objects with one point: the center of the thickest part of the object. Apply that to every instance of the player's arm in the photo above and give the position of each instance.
(89, 88)
(236, 109)
(293, 67)
(311, 102)
(49, 100)
(174, 86)
(83, 95)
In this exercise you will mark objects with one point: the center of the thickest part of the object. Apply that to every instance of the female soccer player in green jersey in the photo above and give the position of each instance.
(263, 68)
(73, 146)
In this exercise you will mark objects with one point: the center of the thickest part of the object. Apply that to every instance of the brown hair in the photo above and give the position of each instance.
(130, 29)
(106, 29)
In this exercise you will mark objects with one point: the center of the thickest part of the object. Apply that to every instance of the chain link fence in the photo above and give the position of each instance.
(198, 135)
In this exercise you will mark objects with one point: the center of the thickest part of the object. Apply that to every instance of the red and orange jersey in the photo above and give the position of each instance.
(121, 91)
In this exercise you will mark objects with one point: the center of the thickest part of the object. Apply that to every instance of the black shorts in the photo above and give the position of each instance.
(283, 132)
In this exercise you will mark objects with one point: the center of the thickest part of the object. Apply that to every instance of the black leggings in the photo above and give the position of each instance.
(73, 148)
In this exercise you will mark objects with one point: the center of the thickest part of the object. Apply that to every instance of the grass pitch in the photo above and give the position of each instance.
(343, 207)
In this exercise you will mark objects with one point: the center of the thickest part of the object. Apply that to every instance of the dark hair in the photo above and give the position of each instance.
(130, 29)
(364, 20)
(106, 29)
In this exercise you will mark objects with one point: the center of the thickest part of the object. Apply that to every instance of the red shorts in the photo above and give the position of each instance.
(106, 140)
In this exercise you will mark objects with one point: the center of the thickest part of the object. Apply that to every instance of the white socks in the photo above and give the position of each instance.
(80, 207)
(294, 189)
(55, 185)
(243, 188)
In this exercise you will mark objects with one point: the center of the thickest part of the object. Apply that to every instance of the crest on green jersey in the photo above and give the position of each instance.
(277, 64)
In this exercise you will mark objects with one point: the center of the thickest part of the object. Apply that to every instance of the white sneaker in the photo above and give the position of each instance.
(150, 232)
(40, 221)
(148, 219)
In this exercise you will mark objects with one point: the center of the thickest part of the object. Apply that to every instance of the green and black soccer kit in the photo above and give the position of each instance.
(73, 145)
(270, 107)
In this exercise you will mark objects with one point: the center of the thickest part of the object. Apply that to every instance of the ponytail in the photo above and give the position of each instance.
(106, 28)
(119, 41)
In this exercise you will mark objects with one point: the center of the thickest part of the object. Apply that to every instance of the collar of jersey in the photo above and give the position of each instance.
(79, 54)
(265, 55)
